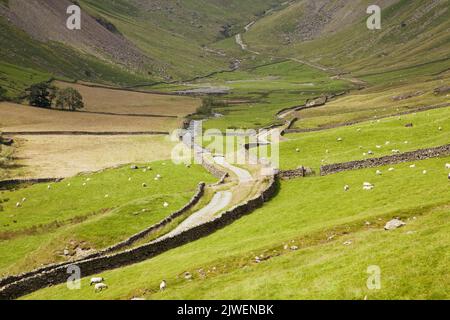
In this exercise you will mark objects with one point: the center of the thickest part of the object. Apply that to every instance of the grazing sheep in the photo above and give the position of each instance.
(378, 147)
(18, 204)
(106, 195)
(165, 204)
(440, 128)
(96, 280)
(447, 166)
(49, 187)
(99, 287)
(395, 151)
(412, 166)
(24, 199)
(133, 167)
(406, 142)
(163, 285)
(294, 248)
(346, 188)
(144, 185)
(379, 173)
(449, 176)
(368, 186)
(297, 150)
(424, 171)
(339, 139)
(370, 152)
(387, 143)
(391, 169)
(68, 184)
(158, 176)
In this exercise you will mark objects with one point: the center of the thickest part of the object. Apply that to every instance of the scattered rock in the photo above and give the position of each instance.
(394, 224)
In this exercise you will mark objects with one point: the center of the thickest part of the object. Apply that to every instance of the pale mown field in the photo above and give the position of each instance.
(128, 102)
(65, 156)
(15, 117)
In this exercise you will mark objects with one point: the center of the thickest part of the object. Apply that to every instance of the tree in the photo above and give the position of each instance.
(41, 95)
(70, 99)
(2, 94)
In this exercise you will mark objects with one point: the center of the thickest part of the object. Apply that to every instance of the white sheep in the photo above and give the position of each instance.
(447, 166)
(158, 176)
(406, 142)
(368, 186)
(440, 128)
(346, 188)
(395, 151)
(391, 169)
(96, 280)
(339, 139)
(24, 199)
(297, 150)
(379, 173)
(49, 187)
(412, 166)
(370, 152)
(163, 285)
(424, 171)
(165, 204)
(99, 287)
(18, 204)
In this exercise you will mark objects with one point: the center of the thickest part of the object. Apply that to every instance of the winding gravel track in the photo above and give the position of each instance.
(219, 202)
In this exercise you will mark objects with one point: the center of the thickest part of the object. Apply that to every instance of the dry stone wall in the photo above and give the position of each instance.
(417, 155)
(58, 275)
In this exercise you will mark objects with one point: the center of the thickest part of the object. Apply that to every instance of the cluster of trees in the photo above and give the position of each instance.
(45, 95)
(208, 105)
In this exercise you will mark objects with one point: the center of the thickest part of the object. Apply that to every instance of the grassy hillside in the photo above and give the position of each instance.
(89, 211)
(306, 213)
(171, 36)
(430, 129)
(414, 33)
